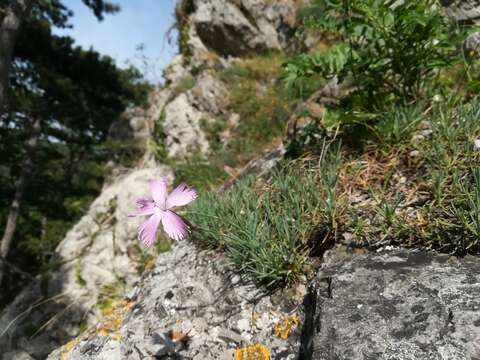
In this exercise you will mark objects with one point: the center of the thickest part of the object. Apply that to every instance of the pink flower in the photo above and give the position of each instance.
(159, 210)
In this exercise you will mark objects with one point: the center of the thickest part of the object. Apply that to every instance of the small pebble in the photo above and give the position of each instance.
(476, 144)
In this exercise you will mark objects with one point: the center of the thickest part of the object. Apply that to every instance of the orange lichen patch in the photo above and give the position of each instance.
(254, 352)
(179, 336)
(68, 347)
(283, 329)
(113, 318)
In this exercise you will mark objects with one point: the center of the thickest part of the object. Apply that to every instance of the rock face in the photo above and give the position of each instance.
(182, 116)
(462, 10)
(194, 293)
(239, 27)
(136, 125)
(393, 304)
(397, 304)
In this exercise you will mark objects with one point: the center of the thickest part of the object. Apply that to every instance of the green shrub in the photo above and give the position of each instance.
(388, 50)
(184, 84)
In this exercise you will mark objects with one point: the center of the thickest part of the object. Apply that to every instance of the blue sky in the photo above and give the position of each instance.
(139, 22)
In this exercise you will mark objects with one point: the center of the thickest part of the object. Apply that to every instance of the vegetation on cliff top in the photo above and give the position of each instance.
(406, 172)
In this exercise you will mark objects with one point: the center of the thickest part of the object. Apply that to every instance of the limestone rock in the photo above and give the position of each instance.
(462, 10)
(135, 127)
(235, 28)
(17, 355)
(182, 127)
(471, 47)
(182, 115)
(175, 70)
(209, 94)
(398, 304)
(189, 292)
(259, 166)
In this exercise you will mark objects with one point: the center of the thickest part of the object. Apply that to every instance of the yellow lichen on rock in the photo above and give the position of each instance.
(113, 318)
(68, 347)
(254, 352)
(116, 337)
(283, 329)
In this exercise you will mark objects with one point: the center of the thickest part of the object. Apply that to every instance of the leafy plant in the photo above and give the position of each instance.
(388, 50)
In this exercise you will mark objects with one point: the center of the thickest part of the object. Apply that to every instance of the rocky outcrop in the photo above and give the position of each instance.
(181, 117)
(463, 10)
(99, 251)
(212, 32)
(238, 27)
(389, 304)
(192, 305)
(394, 304)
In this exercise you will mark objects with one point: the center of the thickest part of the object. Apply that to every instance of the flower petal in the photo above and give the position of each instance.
(174, 225)
(182, 195)
(147, 232)
(144, 207)
(159, 191)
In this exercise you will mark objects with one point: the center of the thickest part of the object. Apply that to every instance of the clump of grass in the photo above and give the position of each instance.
(186, 83)
(266, 227)
(398, 124)
(421, 185)
(157, 145)
(261, 67)
(212, 129)
(79, 280)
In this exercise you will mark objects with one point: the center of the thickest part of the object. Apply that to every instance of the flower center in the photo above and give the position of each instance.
(162, 207)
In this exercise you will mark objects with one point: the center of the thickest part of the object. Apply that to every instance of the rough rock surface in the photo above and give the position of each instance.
(194, 292)
(182, 128)
(260, 166)
(462, 10)
(95, 253)
(466, 12)
(182, 115)
(136, 125)
(239, 27)
(394, 304)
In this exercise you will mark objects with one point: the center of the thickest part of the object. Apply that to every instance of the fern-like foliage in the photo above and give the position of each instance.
(389, 49)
